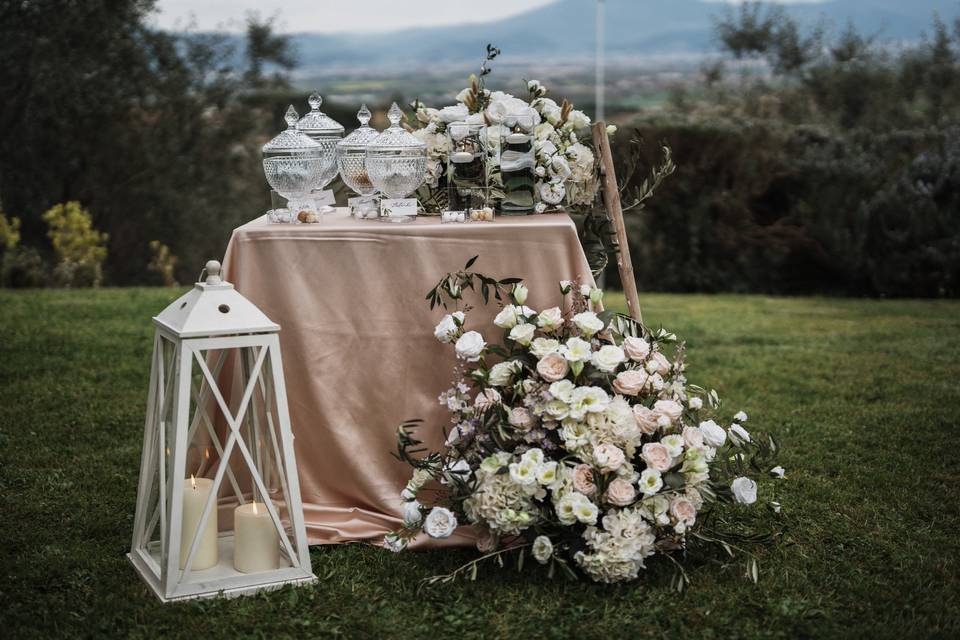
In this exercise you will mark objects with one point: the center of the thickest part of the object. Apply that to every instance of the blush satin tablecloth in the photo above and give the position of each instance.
(359, 355)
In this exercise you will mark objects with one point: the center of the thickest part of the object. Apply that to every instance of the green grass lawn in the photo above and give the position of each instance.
(863, 395)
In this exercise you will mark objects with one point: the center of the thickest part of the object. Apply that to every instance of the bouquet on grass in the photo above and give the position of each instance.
(577, 440)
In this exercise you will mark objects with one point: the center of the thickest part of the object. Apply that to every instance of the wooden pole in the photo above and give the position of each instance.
(611, 202)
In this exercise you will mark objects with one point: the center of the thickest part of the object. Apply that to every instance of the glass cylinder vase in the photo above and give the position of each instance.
(518, 164)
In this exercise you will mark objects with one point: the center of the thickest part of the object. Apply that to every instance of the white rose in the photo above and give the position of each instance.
(502, 372)
(440, 523)
(562, 390)
(713, 434)
(744, 490)
(550, 319)
(578, 119)
(740, 416)
(588, 323)
(523, 334)
(449, 327)
(560, 168)
(608, 358)
(411, 513)
(695, 403)
(543, 346)
(739, 434)
(543, 131)
(394, 543)
(463, 94)
(508, 317)
(611, 129)
(778, 472)
(469, 346)
(520, 293)
(454, 113)
(552, 192)
(542, 549)
(577, 350)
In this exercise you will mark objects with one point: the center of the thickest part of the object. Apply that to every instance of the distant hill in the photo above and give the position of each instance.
(564, 32)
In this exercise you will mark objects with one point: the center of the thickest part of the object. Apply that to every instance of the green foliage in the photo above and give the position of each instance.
(158, 133)
(162, 263)
(80, 249)
(23, 267)
(837, 176)
(870, 548)
(9, 232)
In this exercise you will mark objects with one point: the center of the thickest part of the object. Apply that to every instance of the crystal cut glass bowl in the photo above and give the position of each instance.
(293, 164)
(352, 155)
(326, 132)
(396, 160)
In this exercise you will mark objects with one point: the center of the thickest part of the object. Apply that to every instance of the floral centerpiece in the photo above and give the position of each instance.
(566, 168)
(577, 440)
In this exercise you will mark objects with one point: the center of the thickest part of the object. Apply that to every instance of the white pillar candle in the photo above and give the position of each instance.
(195, 494)
(256, 545)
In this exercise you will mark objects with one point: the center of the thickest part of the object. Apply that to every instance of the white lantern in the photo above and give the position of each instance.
(218, 504)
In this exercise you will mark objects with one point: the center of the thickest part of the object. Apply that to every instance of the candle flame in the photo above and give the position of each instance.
(193, 482)
(206, 453)
(255, 509)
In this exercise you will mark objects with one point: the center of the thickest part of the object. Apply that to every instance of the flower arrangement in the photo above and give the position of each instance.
(566, 167)
(577, 440)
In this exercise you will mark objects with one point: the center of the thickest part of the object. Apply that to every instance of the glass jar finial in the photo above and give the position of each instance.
(291, 117)
(364, 115)
(395, 115)
(315, 100)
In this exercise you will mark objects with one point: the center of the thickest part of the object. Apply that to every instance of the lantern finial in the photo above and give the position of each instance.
(213, 272)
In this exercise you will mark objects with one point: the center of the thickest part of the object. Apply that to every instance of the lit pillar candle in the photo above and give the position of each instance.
(256, 545)
(195, 494)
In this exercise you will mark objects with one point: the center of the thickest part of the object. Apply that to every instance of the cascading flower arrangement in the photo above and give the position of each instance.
(578, 441)
(566, 167)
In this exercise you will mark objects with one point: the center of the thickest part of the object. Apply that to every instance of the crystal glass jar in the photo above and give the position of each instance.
(518, 164)
(293, 164)
(352, 155)
(396, 159)
(326, 132)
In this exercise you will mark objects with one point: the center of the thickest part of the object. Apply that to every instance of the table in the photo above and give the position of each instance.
(359, 355)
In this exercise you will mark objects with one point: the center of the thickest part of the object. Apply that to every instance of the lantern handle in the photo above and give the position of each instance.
(212, 269)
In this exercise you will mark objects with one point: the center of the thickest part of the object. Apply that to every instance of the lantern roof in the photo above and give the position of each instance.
(213, 308)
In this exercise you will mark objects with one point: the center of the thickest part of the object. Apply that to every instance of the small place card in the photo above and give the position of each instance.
(363, 207)
(324, 198)
(398, 207)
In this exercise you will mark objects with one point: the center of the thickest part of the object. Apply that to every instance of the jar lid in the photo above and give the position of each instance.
(316, 122)
(360, 138)
(396, 137)
(291, 139)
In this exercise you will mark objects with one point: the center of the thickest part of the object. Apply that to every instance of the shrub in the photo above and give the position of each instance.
(9, 232)
(162, 264)
(79, 247)
(23, 267)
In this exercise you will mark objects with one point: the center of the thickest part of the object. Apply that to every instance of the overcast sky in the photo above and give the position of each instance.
(332, 16)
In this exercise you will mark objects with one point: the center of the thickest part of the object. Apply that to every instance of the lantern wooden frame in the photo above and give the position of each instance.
(177, 407)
